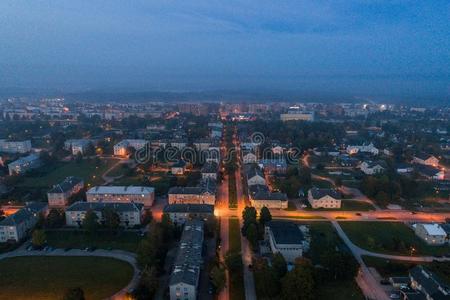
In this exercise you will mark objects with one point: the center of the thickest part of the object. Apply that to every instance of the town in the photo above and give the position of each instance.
(223, 200)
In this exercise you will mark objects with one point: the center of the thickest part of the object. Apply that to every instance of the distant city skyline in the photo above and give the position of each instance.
(388, 50)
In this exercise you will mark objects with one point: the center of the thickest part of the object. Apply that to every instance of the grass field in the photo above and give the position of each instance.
(86, 169)
(236, 278)
(340, 290)
(387, 267)
(127, 241)
(389, 237)
(48, 277)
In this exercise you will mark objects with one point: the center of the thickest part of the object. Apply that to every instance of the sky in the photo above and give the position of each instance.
(360, 48)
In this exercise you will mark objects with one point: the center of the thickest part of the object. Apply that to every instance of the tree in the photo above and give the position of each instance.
(90, 221)
(38, 238)
(264, 216)
(249, 216)
(168, 227)
(111, 218)
(54, 219)
(2, 214)
(148, 284)
(78, 158)
(233, 260)
(339, 265)
(148, 217)
(299, 283)
(74, 294)
(268, 285)
(279, 265)
(217, 275)
(252, 235)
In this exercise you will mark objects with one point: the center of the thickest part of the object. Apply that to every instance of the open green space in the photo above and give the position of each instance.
(236, 278)
(86, 169)
(389, 237)
(389, 267)
(125, 240)
(47, 277)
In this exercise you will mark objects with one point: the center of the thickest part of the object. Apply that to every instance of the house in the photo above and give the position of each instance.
(191, 195)
(287, 238)
(129, 213)
(24, 164)
(325, 151)
(122, 194)
(185, 276)
(260, 196)
(276, 165)
(429, 172)
(180, 213)
(428, 283)
(15, 146)
(58, 196)
(202, 144)
(349, 162)
(425, 159)
(324, 198)
(16, 227)
(121, 148)
(372, 167)
(277, 149)
(404, 168)
(431, 233)
(210, 170)
(77, 145)
(178, 168)
(255, 176)
(249, 157)
(354, 149)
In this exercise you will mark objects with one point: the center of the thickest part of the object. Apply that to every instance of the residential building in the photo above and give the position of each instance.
(428, 283)
(249, 157)
(59, 195)
(295, 114)
(260, 196)
(129, 213)
(210, 170)
(211, 155)
(184, 280)
(255, 176)
(202, 144)
(370, 148)
(287, 238)
(275, 165)
(121, 148)
(24, 164)
(180, 213)
(122, 194)
(324, 198)
(372, 167)
(429, 172)
(191, 195)
(178, 168)
(16, 227)
(15, 146)
(432, 234)
(404, 168)
(425, 159)
(77, 145)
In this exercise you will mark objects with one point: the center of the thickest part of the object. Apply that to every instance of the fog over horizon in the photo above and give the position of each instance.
(393, 50)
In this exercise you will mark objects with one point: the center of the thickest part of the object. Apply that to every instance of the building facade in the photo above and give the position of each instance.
(122, 194)
(58, 196)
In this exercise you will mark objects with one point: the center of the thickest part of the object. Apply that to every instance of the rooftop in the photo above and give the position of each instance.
(122, 190)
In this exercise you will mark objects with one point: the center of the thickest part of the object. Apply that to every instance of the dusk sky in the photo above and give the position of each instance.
(362, 48)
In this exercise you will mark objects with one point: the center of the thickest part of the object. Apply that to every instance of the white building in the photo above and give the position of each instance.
(122, 194)
(180, 213)
(432, 234)
(260, 196)
(296, 114)
(324, 198)
(210, 170)
(15, 146)
(17, 226)
(129, 213)
(249, 157)
(185, 275)
(354, 149)
(59, 195)
(24, 164)
(287, 238)
(120, 149)
(255, 176)
(77, 145)
(372, 167)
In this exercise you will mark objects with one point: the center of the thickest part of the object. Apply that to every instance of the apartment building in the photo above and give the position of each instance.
(24, 164)
(122, 194)
(58, 196)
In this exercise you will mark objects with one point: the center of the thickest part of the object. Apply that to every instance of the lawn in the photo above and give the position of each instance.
(49, 277)
(236, 278)
(87, 169)
(127, 241)
(387, 267)
(356, 206)
(389, 237)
